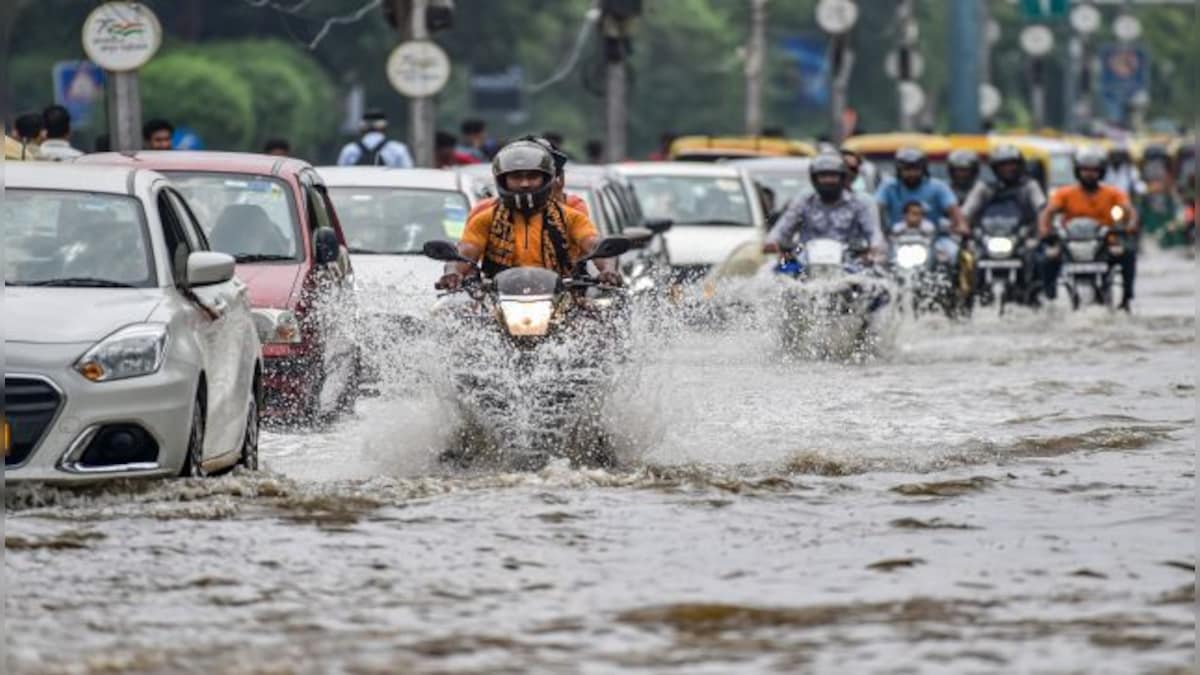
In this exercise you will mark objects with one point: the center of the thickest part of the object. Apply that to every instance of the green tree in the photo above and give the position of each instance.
(202, 93)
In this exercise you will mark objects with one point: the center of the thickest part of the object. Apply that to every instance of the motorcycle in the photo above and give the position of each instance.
(926, 271)
(533, 357)
(1090, 248)
(830, 311)
(1002, 265)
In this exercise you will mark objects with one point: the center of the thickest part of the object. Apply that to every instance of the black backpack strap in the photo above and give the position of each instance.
(368, 156)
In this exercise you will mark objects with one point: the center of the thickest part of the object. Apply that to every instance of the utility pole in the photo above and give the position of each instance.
(836, 18)
(124, 107)
(616, 26)
(966, 33)
(906, 24)
(420, 109)
(755, 66)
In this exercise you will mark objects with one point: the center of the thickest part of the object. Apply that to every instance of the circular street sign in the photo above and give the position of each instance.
(1127, 28)
(120, 36)
(836, 16)
(912, 98)
(916, 64)
(1085, 19)
(418, 68)
(989, 99)
(992, 31)
(1037, 40)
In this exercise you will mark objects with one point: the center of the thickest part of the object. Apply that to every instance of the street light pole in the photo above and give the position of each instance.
(755, 66)
(966, 34)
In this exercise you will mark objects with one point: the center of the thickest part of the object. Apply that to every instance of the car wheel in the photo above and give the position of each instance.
(193, 460)
(249, 456)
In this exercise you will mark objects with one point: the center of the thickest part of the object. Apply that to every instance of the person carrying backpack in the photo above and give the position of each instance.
(374, 148)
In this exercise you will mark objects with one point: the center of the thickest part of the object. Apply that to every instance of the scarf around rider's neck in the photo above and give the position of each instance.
(502, 240)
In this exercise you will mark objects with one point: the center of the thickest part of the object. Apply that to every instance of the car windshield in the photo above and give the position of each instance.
(786, 186)
(249, 217)
(398, 220)
(1062, 170)
(67, 238)
(694, 200)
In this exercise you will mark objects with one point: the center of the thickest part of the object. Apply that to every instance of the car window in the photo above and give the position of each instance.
(253, 218)
(318, 209)
(178, 244)
(608, 203)
(54, 235)
(694, 200)
(398, 220)
(191, 229)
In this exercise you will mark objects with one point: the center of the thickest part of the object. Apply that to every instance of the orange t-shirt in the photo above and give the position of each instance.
(528, 235)
(571, 201)
(1075, 202)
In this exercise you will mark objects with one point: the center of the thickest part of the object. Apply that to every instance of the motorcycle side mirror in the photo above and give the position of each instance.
(658, 225)
(639, 237)
(443, 251)
(609, 247)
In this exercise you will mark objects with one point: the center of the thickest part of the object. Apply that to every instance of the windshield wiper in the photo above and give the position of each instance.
(81, 282)
(714, 221)
(260, 257)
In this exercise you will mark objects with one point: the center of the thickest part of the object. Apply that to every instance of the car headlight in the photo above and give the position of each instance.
(277, 326)
(527, 319)
(999, 246)
(911, 255)
(133, 351)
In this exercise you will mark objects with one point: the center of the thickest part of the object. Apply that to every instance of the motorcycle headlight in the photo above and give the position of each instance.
(911, 255)
(277, 326)
(133, 351)
(527, 318)
(999, 246)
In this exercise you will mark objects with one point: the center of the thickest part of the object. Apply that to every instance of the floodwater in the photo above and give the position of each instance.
(1010, 495)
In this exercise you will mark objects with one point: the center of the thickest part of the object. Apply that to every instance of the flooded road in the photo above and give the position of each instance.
(1012, 494)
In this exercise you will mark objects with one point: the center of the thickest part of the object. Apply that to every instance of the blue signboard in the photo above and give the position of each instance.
(78, 87)
(809, 54)
(186, 138)
(1124, 72)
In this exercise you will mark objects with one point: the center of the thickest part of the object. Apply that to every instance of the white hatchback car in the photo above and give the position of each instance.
(130, 350)
(388, 215)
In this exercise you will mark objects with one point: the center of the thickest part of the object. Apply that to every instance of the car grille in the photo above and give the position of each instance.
(30, 406)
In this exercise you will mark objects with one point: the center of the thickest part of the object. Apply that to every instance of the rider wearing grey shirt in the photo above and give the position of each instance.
(830, 212)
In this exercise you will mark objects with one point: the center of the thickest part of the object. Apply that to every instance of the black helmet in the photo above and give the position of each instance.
(1005, 154)
(524, 156)
(1090, 158)
(963, 159)
(828, 162)
(1119, 154)
(912, 157)
(1155, 151)
(560, 157)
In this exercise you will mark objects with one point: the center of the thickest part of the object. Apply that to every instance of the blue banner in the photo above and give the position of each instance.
(1124, 72)
(810, 57)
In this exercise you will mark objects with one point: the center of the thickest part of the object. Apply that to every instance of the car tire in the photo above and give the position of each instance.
(249, 454)
(192, 460)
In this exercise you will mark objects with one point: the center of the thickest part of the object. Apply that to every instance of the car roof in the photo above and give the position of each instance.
(770, 164)
(704, 169)
(73, 176)
(202, 160)
(373, 176)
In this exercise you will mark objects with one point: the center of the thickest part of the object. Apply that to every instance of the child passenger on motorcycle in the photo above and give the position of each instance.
(914, 221)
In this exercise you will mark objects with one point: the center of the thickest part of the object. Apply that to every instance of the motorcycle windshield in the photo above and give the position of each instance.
(526, 281)
(1002, 219)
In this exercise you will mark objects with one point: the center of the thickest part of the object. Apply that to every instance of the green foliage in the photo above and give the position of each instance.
(203, 93)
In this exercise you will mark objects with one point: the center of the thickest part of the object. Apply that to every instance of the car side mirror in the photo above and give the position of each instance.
(205, 268)
(639, 237)
(609, 247)
(658, 225)
(325, 245)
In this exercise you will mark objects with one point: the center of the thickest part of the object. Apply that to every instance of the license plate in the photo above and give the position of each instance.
(1085, 268)
(999, 264)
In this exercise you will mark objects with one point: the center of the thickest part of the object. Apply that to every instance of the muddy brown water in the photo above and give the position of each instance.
(1007, 495)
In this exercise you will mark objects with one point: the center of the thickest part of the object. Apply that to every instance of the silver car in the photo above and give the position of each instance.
(130, 350)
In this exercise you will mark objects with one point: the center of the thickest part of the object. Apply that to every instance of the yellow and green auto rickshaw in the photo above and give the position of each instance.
(880, 150)
(717, 148)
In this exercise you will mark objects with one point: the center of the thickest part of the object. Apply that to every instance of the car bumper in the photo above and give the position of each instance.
(159, 404)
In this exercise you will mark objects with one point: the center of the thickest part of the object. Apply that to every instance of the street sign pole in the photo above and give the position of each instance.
(420, 108)
(755, 66)
(836, 18)
(121, 37)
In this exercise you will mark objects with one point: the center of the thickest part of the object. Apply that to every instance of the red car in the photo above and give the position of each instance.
(274, 216)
